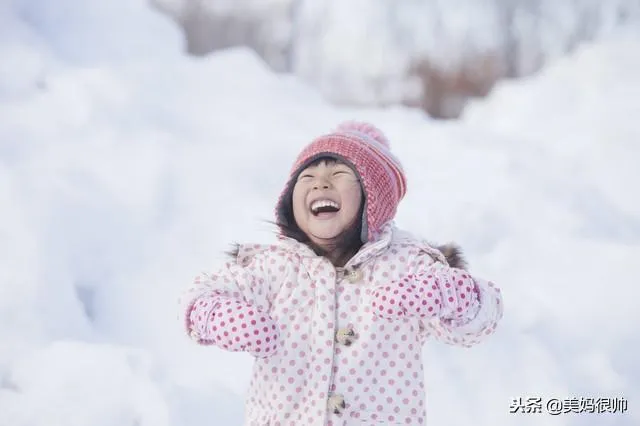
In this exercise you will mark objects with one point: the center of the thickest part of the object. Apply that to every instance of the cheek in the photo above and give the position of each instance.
(297, 199)
(351, 199)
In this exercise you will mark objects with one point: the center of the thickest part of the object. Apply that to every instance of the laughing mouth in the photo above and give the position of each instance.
(324, 205)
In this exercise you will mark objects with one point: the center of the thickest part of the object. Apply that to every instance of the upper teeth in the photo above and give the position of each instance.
(323, 203)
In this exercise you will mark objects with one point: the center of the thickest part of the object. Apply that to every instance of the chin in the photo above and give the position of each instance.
(324, 233)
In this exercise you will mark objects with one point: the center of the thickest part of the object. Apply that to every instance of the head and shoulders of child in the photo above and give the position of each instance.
(340, 202)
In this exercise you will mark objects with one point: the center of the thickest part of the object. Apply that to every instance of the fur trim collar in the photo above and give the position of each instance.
(450, 253)
(453, 254)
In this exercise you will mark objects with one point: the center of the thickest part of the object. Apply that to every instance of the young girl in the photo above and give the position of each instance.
(337, 312)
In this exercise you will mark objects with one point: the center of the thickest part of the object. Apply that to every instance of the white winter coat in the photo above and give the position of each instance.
(380, 375)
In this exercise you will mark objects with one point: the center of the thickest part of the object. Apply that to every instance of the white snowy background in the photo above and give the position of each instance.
(126, 167)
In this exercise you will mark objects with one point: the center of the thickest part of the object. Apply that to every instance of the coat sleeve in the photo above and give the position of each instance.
(247, 280)
(462, 322)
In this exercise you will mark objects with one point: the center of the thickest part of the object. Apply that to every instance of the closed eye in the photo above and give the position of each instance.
(344, 173)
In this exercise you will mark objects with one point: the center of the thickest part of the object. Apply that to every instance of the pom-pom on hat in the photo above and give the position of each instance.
(365, 148)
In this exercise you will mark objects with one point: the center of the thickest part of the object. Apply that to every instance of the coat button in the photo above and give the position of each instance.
(336, 403)
(354, 276)
(345, 336)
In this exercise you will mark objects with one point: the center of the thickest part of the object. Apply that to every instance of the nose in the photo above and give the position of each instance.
(321, 183)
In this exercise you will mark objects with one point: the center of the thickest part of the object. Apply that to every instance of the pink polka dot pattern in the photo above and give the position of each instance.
(438, 292)
(234, 326)
(344, 353)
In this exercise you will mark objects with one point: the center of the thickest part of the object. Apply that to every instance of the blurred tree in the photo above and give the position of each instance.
(432, 54)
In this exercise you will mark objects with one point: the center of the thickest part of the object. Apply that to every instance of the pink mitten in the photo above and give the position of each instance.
(447, 293)
(233, 325)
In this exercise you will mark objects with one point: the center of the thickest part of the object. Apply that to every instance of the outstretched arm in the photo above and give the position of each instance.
(229, 308)
(453, 306)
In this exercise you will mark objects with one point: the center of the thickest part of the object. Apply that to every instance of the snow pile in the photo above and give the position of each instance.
(586, 141)
(126, 168)
(431, 53)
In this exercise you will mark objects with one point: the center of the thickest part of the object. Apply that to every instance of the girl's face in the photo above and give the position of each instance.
(326, 201)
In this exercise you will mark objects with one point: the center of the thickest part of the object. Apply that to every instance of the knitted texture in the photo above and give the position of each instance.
(367, 150)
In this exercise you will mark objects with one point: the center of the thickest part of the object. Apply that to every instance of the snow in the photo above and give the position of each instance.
(127, 167)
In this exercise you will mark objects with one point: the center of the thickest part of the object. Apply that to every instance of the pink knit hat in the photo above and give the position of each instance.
(367, 150)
